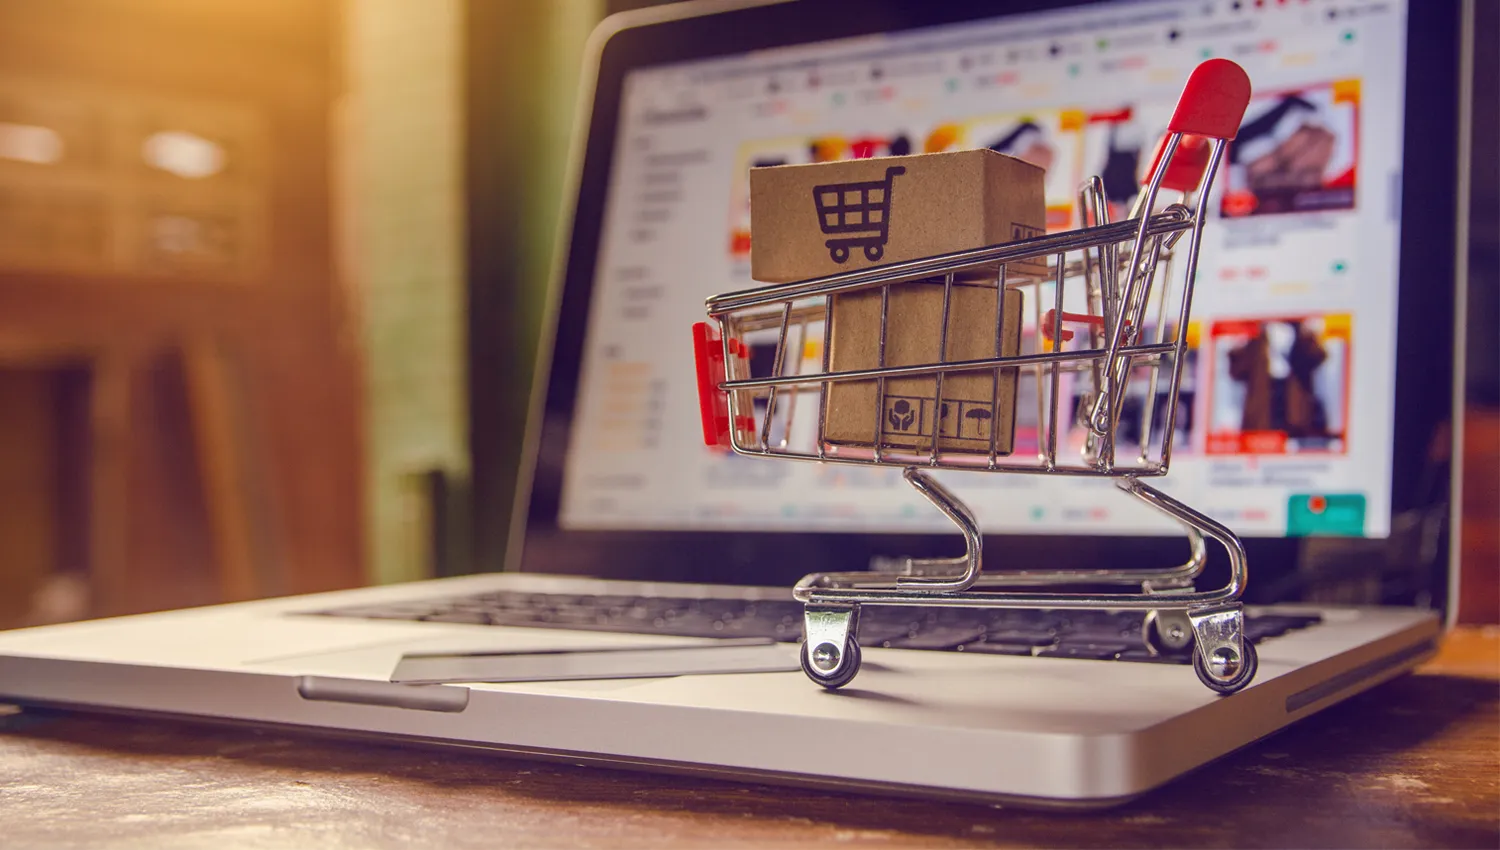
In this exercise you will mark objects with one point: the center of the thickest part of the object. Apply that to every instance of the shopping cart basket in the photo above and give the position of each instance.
(1106, 277)
(861, 208)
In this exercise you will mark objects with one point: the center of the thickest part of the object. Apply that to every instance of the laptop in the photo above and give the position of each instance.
(1335, 222)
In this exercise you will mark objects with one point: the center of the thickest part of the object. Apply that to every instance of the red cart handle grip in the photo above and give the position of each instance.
(1213, 102)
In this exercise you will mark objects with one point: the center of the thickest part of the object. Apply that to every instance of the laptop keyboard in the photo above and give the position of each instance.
(1098, 635)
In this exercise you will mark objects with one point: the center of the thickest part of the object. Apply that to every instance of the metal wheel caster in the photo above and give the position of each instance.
(1224, 672)
(1168, 632)
(1223, 658)
(845, 663)
(830, 652)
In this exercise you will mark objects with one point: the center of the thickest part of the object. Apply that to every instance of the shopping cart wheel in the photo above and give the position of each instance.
(874, 252)
(1243, 669)
(847, 670)
(839, 253)
(1168, 632)
(830, 652)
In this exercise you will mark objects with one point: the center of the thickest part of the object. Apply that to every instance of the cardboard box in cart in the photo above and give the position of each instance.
(976, 407)
(815, 220)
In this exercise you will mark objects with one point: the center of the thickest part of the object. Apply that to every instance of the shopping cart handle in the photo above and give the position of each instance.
(1186, 167)
(1213, 102)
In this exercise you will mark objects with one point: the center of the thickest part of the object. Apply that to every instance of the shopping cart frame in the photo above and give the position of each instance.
(1119, 263)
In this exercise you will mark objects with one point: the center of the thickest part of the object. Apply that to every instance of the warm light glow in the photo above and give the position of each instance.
(183, 154)
(30, 143)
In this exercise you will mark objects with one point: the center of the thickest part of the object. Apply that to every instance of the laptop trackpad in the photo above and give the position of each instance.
(379, 660)
(749, 655)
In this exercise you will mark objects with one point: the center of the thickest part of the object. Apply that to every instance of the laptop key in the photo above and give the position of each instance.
(1097, 652)
(473, 618)
(881, 634)
(938, 637)
(1023, 619)
(1259, 631)
(693, 625)
(1282, 621)
(575, 617)
(1297, 621)
(987, 647)
(406, 611)
(1099, 634)
(758, 627)
(1020, 638)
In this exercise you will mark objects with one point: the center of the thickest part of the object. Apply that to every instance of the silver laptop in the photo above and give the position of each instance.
(645, 617)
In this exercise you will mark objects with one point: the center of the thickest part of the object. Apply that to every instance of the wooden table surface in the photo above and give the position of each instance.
(1415, 762)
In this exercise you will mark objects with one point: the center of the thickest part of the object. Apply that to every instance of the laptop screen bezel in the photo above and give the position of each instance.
(1426, 350)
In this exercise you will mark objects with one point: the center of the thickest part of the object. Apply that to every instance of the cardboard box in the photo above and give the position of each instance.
(971, 405)
(814, 220)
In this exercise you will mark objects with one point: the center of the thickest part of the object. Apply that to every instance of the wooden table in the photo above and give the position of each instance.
(1416, 762)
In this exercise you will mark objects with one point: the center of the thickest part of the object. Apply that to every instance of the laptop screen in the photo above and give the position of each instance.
(1285, 421)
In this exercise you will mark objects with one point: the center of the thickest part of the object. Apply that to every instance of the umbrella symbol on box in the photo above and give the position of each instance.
(980, 416)
(901, 415)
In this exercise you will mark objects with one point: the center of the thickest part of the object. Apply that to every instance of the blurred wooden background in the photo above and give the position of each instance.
(179, 395)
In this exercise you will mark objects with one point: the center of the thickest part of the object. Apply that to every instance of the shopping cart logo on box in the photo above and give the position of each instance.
(860, 208)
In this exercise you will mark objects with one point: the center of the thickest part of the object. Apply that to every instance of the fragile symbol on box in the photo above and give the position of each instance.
(902, 415)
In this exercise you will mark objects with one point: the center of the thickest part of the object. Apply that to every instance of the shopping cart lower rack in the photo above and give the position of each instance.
(1132, 310)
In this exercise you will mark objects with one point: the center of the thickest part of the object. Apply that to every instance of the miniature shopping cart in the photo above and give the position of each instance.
(858, 208)
(1118, 282)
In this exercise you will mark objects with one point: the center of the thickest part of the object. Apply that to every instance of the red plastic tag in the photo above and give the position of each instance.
(713, 403)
